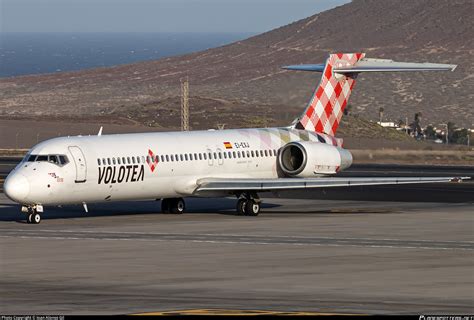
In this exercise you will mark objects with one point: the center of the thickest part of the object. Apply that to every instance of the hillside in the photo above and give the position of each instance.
(241, 84)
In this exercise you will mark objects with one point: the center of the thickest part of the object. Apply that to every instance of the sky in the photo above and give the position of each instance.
(240, 16)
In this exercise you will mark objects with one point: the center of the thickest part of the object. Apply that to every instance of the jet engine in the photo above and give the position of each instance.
(308, 159)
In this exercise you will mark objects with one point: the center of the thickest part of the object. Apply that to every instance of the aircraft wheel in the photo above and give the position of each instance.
(177, 206)
(241, 205)
(165, 205)
(29, 218)
(35, 218)
(252, 208)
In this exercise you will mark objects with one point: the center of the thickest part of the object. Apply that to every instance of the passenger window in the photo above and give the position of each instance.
(220, 155)
(162, 158)
(209, 155)
(148, 159)
(205, 156)
(266, 153)
(128, 160)
(118, 160)
(98, 162)
(225, 155)
(185, 157)
(275, 152)
(238, 154)
(172, 158)
(143, 159)
(108, 161)
(234, 154)
(251, 152)
(113, 161)
(195, 156)
(200, 156)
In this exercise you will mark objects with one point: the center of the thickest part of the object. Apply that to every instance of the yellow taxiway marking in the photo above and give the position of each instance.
(234, 312)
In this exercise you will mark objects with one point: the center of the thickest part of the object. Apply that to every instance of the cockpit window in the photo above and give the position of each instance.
(40, 158)
(57, 159)
(53, 159)
(63, 159)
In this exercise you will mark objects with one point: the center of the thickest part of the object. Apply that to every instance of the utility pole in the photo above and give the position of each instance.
(447, 134)
(185, 104)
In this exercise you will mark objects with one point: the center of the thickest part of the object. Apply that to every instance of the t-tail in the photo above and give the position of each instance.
(326, 107)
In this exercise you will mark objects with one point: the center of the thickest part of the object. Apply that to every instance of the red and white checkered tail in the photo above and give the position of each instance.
(325, 109)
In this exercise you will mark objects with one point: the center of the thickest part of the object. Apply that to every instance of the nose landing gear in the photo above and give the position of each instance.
(33, 213)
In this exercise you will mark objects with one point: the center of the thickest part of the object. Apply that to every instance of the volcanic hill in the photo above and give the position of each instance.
(242, 84)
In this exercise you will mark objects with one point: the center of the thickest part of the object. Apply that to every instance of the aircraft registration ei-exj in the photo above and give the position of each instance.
(240, 162)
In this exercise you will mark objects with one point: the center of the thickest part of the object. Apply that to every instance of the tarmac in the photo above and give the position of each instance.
(299, 255)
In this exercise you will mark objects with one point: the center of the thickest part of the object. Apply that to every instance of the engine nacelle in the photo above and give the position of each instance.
(309, 159)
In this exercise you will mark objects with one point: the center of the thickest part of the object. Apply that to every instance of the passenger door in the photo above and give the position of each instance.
(80, 162)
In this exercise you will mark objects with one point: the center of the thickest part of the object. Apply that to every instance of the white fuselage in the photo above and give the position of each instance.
(149, 165)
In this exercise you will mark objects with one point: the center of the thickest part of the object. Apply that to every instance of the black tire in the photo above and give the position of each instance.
(36, 218)
(165, 206)
(241, 205)
(252, 208)
(177, 206)
(29, 218)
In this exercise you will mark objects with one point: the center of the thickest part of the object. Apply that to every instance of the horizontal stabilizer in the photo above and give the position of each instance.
(306, 67)
(375, 65)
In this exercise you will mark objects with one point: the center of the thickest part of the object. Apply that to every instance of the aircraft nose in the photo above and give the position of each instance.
(16, 187)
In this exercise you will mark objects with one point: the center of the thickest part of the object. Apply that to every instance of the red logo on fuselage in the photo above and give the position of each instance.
(152, 160)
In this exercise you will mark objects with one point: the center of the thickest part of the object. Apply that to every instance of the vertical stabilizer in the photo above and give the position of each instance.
(325, 109)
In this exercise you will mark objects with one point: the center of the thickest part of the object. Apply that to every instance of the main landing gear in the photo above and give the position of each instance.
(32, 214)
(173, 205)
(248, 205)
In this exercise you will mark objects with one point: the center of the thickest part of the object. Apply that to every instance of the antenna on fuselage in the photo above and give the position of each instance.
(100, 132)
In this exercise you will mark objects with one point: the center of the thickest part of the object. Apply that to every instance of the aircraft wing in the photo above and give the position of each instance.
(227, 184)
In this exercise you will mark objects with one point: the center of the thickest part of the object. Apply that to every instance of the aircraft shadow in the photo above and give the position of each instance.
(11, 212)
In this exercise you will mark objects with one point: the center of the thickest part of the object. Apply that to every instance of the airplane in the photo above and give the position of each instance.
(237, 162)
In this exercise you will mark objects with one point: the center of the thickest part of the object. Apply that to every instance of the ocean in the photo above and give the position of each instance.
(34, 53)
